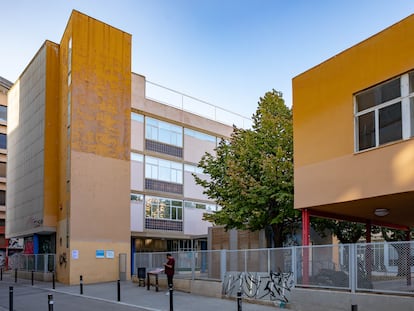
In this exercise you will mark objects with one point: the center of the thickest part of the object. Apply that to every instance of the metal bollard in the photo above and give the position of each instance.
(81, 284)
(11, 298)
(15, 275)
(1, 274)
(53, 280)
(239, 301)
(354, 307)
(32, 277)
(50, 301)
(119, 290)
(171, 298)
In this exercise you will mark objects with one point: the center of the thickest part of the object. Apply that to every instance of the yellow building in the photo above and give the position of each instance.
(97, 170)
(353, 118)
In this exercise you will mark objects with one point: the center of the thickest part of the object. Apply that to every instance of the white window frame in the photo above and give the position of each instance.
(164, 170)
(404, 99)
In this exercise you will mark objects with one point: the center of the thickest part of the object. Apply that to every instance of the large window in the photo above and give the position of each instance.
(164, 170)
(384, 113)
(163, 208)
(199, 205)
(163, 132)
(2, 197)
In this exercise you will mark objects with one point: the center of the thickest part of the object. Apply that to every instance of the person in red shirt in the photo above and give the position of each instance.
(169, 269)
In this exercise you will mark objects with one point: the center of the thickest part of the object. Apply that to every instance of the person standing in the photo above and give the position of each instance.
(169, 269)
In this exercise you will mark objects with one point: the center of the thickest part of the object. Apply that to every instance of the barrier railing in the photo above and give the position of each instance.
(32, 262)
(374, 267)
(194, 105)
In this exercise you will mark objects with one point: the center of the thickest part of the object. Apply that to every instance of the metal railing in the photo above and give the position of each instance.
(194, 105)
(372, 267)
(32, 262)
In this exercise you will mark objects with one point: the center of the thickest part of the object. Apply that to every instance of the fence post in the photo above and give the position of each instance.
(119, 290)
(11, 298)
(50, 301)
(193, 265)
(223, 271)
(239, 301)
(268, 261)
(81, 284)
(294, 272)
(353, 271)
(170, 289)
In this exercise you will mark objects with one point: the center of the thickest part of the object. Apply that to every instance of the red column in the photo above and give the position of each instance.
(305, 243)
(305, 227)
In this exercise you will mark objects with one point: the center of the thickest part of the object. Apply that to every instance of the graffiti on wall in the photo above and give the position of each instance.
(274, 286)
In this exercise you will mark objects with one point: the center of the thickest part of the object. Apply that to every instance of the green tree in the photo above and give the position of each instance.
(345, 231)
(251, 174)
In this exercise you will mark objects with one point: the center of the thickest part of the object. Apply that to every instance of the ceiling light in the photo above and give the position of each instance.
(381, 212)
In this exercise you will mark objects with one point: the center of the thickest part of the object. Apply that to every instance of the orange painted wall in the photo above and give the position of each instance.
(326, 168)
(94, 200)
(51, 132)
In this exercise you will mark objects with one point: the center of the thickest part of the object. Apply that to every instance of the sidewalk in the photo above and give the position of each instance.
(131, 296)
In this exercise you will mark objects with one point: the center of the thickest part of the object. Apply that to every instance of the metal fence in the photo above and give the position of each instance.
(32, 262)
(369, 267)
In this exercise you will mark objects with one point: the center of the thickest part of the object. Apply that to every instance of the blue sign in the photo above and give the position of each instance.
(100, 253)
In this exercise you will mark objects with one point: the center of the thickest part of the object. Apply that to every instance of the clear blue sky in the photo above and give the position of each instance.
(226, 52)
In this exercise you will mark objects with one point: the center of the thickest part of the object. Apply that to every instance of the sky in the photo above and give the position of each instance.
(228, 53)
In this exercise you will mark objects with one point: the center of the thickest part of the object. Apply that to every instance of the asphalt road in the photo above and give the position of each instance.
(26, 298)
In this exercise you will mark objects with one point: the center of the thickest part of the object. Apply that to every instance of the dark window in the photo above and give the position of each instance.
(2, 197)
(2, 169)
(3, 141)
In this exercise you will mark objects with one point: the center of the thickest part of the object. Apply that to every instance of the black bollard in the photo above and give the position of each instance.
(239, 301)
(354, 307)
(11, 298)
(81, 285)
(32, 277)
(50, 301)
(53, 280)
(171, 299)
(119, 290)
(15, 275)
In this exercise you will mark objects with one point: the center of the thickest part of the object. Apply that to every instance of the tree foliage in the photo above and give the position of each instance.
(251, 174)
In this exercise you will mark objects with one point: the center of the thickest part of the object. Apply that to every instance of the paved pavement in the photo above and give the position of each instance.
(104, 297)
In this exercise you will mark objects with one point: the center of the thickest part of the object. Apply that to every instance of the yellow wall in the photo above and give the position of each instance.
(327, 170)
(94, 204)
(51, 131)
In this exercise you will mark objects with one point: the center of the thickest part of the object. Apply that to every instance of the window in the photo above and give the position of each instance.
(199, 135)
(164, 170)
(137, 117)
(137, 157)
(3, 113)
(163, 132)
(206, 206)
(3, 141)
(2, 169)
(193, 169)
(2, 197)
(163, 208)
(384, 113)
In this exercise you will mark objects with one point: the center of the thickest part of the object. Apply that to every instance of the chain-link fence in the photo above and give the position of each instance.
(379, 267)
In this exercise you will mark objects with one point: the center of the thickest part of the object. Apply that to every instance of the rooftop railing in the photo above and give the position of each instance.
(194, 105)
